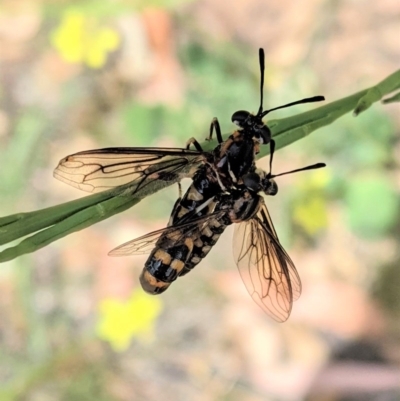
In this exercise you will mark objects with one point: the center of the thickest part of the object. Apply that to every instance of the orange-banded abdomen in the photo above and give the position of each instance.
(165, 264)
(204, 241)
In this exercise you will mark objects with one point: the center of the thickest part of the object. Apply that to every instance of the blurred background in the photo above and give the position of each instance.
(74, 324)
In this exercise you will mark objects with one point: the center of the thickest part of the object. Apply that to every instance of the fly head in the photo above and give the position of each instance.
(269, 186)
(252, 125)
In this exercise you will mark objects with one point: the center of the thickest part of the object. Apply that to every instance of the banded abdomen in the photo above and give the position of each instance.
(173, 248)
(165, 262)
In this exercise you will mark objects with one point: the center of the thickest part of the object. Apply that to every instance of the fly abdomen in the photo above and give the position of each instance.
(240, 205)
(202, 189)
(164, 265)
(203, 243)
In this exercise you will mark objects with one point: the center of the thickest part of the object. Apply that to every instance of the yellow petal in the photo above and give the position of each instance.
(120, 321)
(109, 39)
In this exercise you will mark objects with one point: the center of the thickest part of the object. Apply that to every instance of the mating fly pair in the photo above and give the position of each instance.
(225, 190)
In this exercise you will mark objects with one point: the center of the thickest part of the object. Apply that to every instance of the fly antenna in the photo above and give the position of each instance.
(312, 167)
(306, 100)
(261, 57)
(271, 153)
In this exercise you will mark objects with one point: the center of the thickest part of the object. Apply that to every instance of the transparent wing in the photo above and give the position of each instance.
(175, 234)
(101, 169)
(141, 245)
(266, 269)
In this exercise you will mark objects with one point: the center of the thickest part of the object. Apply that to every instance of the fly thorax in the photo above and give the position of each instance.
(240, 158)
(252, 181)
(221, 150)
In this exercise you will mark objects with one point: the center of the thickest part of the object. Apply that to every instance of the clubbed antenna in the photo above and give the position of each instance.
(306, 100)
(312, 167)
(261, 113)
(261, 57)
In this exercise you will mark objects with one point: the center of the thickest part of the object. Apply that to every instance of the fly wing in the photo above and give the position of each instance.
(175, 234)
(266, 269)
(101, 169)
(141, 245)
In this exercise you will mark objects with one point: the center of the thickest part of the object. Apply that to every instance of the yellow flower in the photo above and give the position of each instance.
(81, 39)
(120, 321)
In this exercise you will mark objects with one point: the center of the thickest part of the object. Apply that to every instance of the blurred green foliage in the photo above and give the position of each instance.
(28, 130)
(106, 8)
(362, 144)
(372, 205)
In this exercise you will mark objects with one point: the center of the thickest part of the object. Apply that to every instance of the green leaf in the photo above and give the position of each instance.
(393, 99)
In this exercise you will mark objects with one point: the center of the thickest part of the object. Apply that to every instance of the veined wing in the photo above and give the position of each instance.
(266, 269)
(175, 234)
(101, 169)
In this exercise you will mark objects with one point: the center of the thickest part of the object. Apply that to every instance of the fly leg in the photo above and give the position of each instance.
(215, 126)
(176, 207)
(193, 141)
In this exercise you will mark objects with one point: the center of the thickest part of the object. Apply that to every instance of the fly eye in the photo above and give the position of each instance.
(264, 133)
(252, 181)
(270, 187)
(240, 117)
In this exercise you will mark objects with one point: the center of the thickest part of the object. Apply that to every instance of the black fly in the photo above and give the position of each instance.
(218, 182)
(266, 269)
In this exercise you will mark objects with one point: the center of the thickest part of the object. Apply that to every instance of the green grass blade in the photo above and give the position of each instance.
(22, 224)
(76, 221)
